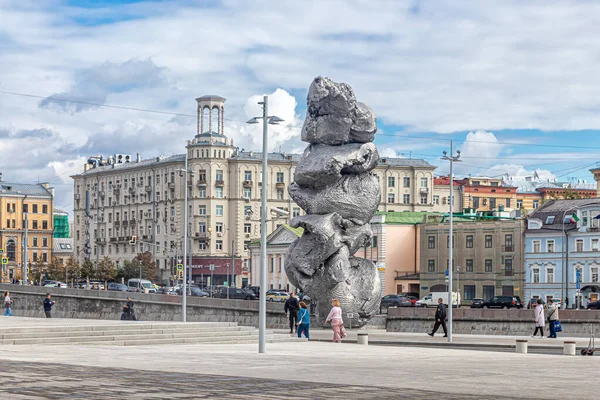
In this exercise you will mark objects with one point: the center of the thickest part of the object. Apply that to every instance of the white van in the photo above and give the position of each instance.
(431, 300)
(140, 285)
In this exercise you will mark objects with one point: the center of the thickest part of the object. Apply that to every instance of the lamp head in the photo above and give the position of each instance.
(252, 121)
(458, 153)
(274, 120)
(444, 153)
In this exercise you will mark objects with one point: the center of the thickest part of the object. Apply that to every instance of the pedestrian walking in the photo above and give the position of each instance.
(292, 306)
(337, 323)
(7, 304)
(552, 318)
(48, 305)
(538, 316)
(440, 318)
(303, 321)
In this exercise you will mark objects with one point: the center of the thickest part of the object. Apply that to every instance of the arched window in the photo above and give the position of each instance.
(11, 250)
(197, 153)
(219, 153)
(202, 153)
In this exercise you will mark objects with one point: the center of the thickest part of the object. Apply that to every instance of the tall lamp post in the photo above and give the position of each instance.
(185, 235)
(452, 160)
(262, 314)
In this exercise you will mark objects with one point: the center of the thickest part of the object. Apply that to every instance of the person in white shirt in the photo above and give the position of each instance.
(538, 315)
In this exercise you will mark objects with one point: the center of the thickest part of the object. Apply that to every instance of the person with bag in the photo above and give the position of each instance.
(303, 321)
(440, 318)
(538, 316)
(7, 304)
(337, 323)
(553, 320)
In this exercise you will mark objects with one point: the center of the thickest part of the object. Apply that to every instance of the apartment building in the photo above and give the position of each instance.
(562, 251)
(488, 194)
(487, 257)
(130, 197)
(25, 205)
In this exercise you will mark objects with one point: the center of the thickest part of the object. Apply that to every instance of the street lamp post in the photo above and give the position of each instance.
(452, 160)
(262, 317)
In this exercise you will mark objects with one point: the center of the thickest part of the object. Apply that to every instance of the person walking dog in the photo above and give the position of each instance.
(538, 316)
(552, 318)
(48, 305)
(303, 321)
(440, 318)
(7, 304)
(292, 305)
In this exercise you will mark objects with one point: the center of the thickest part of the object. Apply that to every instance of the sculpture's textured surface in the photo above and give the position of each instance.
(333, 183)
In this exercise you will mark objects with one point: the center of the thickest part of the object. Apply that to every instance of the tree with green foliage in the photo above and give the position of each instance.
(88, 270)
(72, 270)
(55, 270)
(106, 270)
(146, 260)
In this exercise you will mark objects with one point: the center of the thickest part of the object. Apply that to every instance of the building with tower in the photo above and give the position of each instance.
(130, 196)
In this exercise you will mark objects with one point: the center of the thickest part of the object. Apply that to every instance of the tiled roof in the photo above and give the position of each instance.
(130, 165)
(564, 205)
(405, 162)
(16, 189)
(558, 209)
(533, 186)
(63, 246)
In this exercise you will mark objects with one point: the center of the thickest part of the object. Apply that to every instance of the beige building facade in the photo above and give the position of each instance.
(130, 197)
(487, 259)
(31, 206)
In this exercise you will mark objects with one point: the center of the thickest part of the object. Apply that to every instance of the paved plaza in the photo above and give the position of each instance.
(311, 370)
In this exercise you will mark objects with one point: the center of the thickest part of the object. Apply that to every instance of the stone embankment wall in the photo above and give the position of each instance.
(576, 323)
(95, 304)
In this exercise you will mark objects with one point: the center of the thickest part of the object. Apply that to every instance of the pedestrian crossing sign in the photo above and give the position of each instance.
(4, 260)
(180, 267)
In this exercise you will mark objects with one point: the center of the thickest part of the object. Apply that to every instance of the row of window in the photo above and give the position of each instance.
(489, 291)
(488, 265)
(11, 250)
(391, 198)
(488, 242)
(12, 223)
(12, 207)
(579, 245)
(547, 274)
(406, 182)
(494, 202)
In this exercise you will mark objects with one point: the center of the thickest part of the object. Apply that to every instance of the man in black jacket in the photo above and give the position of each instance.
(440, 318)
(292, 305)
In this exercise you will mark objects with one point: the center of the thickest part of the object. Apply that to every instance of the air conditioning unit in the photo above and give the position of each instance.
(220, 234)
(146, 214)
(172, 218)
(247, 235)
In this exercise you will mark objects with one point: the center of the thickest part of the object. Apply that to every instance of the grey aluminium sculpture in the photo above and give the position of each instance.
(334, 185)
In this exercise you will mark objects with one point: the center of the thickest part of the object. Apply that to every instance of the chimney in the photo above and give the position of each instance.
(139, 157)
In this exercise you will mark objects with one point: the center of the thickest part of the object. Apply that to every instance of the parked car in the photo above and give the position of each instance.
(595, 305)
(140, 285)
(476, 303)
(254, 289)
(119, 287)
(278, 296)
(97, 285)
(395, 300)
(534, 300)
(411, 294)
(58, 284)
(501, 302)
(238, 294)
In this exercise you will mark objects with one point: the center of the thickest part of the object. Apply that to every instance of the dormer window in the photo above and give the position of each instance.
(550, 219)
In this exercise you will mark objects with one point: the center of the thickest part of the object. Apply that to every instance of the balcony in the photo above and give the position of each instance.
(101, 240)
(219, 182)
(131, 189)
(117, 224)
(202, 236)
(132, 222)
(113, 239)
(247, 184)
(509, 273)
(148, 188)
(125, 224)
(145, 237)
(171, 185)
(201, 182)
(507, 249)
(280, 185)
(424, 190)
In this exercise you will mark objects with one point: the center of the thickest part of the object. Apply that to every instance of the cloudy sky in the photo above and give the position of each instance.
(514, 84)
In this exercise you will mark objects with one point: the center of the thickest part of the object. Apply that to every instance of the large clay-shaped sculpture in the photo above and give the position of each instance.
(334, 185)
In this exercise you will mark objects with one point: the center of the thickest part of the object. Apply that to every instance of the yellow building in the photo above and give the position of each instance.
(18, 202)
